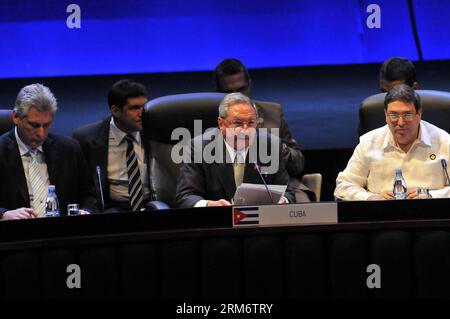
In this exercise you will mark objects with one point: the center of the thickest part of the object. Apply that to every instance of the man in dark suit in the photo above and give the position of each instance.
(230, 76)
(31, 159)
(228, 156)
(395, 71)
(116, 146)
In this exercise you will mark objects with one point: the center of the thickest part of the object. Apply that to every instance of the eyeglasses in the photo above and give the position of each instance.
(396, 116)
(237, 123)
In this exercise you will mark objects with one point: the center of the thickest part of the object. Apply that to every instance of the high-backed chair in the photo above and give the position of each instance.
(6, 122)
(314, 183)
(162, 116)
(435, 106)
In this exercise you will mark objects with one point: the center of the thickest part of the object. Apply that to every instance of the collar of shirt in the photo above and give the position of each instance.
(118, 134)
(423, 138)
(23, 148)
(232, 152)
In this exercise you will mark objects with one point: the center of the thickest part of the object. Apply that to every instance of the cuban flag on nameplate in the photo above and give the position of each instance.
(245, 216)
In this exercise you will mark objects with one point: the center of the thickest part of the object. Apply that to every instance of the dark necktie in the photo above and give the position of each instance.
(134, 176)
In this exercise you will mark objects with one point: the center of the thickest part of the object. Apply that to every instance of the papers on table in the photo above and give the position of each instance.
(256, 194)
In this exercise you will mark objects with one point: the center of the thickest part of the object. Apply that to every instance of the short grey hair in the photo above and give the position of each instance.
(232, 99)
(35, 95)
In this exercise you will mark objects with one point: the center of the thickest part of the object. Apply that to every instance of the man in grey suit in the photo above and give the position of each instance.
(230, 76)
(222, 159)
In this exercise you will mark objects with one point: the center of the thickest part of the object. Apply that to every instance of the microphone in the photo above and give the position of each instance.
(256, 167)
(444, 167)
(102, 200)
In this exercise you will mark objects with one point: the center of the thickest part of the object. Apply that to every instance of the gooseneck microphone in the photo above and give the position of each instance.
(256, 167)
(100, 188)
(444, 167)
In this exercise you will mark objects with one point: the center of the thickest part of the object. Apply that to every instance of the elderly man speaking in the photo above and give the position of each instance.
(233, 159)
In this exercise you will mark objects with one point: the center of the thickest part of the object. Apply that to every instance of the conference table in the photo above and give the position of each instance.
(376, 249)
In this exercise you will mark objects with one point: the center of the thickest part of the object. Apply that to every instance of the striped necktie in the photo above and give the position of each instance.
(37, 182)
(134, 176)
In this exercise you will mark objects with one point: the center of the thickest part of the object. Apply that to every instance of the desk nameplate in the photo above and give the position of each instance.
(285, 215)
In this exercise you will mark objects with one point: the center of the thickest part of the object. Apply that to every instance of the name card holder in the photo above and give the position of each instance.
(285, 215)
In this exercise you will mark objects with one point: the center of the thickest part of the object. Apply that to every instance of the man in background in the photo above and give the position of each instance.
(395, 71)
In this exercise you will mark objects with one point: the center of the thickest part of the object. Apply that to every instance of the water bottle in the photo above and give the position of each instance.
(400, 191)
(51, 203)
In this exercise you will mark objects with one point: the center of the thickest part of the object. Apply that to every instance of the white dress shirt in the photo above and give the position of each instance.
(117, 163)
(25, 155)
(371, 169)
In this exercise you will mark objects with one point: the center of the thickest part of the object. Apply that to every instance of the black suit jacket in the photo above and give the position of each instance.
(94, 141)
(213, 181)
(271, 116)
(66, 168)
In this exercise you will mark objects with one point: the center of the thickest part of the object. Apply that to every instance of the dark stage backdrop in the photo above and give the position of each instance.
(320, 103)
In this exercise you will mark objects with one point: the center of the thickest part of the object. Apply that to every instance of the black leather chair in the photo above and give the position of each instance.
(162, 116)
(435, 106)
(6, 122)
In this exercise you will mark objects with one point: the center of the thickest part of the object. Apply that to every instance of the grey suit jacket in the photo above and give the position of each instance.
(271, 116)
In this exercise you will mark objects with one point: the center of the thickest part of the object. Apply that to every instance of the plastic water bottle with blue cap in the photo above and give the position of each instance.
(400, 191)
(51, 203)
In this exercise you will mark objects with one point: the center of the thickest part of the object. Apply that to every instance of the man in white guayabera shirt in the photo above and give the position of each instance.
(406, 142)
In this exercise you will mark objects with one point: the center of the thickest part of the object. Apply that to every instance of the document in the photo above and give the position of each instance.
(256, 194)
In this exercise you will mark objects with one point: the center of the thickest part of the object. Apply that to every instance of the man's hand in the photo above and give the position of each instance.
(412, 193)
(382, 196)
(20, 213)
(83, 212)
(284, 151)
(220, 202)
